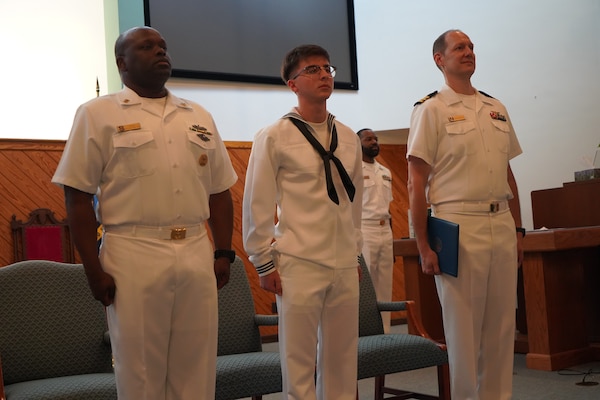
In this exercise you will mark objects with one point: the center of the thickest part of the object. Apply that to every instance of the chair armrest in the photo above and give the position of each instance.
(2, 395)
(416, 325)
(266, 320)
(391, 305)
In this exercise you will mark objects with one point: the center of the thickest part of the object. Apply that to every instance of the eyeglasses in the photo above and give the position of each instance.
(315, 69)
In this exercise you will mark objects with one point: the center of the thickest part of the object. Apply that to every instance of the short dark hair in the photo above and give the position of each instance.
(296, 55)
(439, 45)
(122, 41)
(359, 133)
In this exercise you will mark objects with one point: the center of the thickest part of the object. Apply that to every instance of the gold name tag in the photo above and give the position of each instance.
(455, 118)
(129, 127)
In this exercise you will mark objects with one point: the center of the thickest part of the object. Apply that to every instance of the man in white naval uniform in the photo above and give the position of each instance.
(376, 225)
(459, 146)
(160, 170)
(307, 166)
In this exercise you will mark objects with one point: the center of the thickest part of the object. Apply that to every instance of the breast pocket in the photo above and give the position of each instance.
(201, 148)
(135, 152)
(463, 138)
(368, 182)
(501, 135)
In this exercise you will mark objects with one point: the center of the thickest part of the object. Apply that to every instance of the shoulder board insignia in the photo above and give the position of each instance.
(424, 99)
(485, 94)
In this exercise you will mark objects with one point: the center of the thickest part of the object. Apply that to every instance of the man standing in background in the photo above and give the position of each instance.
(376, 225)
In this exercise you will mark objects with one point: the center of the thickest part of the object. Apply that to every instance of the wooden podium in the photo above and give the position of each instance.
(568, 260)
(573, 205)
(561, 274)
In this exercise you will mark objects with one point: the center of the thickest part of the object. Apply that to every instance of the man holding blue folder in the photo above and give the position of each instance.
(459, 146)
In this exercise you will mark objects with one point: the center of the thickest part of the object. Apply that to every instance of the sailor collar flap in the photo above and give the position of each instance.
(295, 115)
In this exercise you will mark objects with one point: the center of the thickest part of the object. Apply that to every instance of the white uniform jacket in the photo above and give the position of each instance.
(286, 174)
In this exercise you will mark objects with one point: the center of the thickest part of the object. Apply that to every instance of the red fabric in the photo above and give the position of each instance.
(44, 243)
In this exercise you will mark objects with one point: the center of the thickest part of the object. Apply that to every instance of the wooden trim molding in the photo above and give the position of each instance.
(393, 136)
(32, 144)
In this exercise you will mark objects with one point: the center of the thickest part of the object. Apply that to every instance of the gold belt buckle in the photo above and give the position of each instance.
(494, 207)
(177, 233)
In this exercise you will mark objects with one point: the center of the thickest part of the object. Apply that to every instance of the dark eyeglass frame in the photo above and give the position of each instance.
(312, 70)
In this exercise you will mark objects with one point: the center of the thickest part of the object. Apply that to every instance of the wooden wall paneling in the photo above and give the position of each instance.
(26, 167)
(393, 156)
(35, 184)
(239, 153)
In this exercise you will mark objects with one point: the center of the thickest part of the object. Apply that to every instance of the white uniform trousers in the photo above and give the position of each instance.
(163, 323)
(318, 325)
(478, 306)
(378, 252)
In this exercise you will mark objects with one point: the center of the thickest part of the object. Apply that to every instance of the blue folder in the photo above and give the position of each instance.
(443, 239)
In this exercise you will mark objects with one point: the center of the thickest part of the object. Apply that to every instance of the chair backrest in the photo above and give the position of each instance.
(238, 331)
(42, 237)
(50, 325)
(370, 322)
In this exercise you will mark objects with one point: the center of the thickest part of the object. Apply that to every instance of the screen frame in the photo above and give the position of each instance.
(351, 84)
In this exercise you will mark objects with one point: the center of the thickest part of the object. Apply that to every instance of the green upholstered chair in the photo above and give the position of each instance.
(52, 335)
(380, 354)
(243, 369)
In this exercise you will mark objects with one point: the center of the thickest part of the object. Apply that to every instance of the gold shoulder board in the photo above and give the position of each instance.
(424, 99)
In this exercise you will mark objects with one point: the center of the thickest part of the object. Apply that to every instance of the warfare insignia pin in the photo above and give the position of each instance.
(203, 133)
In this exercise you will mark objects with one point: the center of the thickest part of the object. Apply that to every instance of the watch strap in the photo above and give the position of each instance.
(229, 254)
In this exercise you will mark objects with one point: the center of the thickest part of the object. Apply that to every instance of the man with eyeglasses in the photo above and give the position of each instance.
(308, 167)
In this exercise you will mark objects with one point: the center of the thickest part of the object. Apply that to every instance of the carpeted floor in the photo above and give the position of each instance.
(528, 384)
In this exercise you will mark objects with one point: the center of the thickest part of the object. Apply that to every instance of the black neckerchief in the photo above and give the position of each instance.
(328, 156)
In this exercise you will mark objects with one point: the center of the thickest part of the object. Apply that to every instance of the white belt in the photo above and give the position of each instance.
(377, 222)
(157, 232)
(472, 206)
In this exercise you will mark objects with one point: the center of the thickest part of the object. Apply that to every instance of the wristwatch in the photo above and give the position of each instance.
(522, 230)
(229, 254)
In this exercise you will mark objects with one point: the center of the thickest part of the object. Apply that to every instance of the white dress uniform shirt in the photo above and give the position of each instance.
(285, 169)
(468, 141)
(127, 160)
